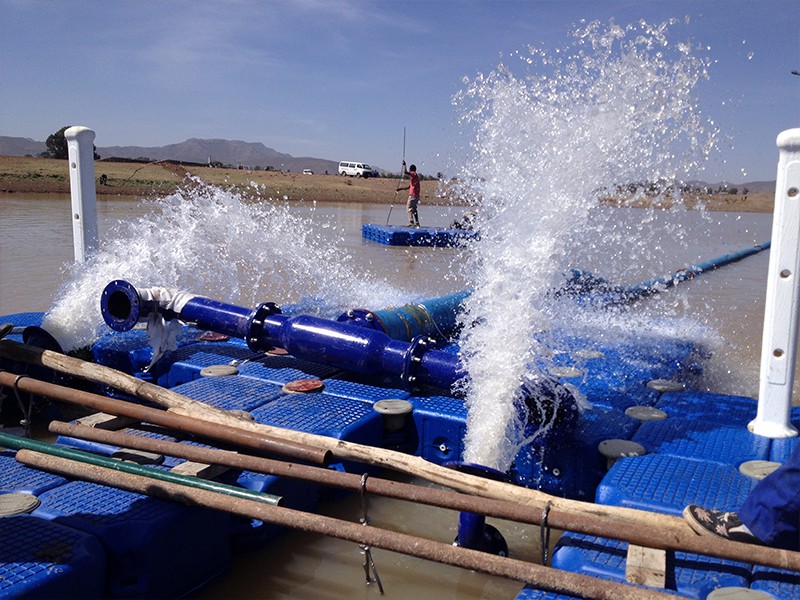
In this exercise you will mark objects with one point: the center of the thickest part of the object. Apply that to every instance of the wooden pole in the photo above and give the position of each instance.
(562, 582)
(556, 518)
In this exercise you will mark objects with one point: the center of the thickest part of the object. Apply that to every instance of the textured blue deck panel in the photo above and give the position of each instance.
(778, 582)
(667, 484)
(154, 548)
(690, 575)
(441, 425)
(20, 321)
(530, 593)
(783, 447)
(357, 387)
(16, 477)
(319, 413)
(393, 235)
(185, 363)
(232, 392)
(572, 467)
(281, 369)
(731, 410)
(42, 559)
(703, 440)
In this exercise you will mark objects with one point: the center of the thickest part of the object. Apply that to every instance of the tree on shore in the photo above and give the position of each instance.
(57, 145)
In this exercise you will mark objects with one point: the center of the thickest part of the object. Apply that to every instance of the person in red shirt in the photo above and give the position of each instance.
(413, 194)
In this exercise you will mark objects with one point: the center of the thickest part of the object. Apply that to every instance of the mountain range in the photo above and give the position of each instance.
(194, 150)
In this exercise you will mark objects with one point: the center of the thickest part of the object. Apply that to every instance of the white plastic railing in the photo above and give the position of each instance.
(80, 147)
(779, 343)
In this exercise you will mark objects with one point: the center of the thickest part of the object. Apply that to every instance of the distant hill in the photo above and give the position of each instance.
(17, 146)
(227, 152)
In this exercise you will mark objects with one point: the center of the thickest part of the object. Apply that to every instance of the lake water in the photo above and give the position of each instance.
(36, 245)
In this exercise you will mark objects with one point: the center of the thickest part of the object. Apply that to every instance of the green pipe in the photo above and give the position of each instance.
(15, 442)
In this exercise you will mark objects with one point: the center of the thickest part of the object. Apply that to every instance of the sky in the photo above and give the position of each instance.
(357, 79)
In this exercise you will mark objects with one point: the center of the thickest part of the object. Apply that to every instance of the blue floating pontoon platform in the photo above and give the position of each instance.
(394, 235)
(128, 545)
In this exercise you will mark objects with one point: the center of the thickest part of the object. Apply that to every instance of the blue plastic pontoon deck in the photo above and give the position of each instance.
(394, 235)
(692, 455)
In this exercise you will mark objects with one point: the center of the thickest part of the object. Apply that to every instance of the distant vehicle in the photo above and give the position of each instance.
(354, 169)
(308, 172)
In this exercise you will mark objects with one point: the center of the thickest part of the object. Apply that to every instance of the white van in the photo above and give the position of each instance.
(354, 169)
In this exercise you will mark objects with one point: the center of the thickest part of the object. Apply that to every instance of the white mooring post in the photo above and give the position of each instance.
(779, 344)
(80, 147)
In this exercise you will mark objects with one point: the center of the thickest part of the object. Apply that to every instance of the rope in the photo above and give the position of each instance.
(369, 563)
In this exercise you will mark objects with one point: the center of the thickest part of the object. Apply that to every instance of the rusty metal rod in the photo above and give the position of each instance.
(557, 518)
(547, 578)
(248, 439)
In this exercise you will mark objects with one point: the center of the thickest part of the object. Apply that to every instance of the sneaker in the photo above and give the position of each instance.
(726, 525)
(410, 225)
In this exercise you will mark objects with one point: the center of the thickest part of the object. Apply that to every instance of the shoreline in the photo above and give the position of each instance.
(28, 175)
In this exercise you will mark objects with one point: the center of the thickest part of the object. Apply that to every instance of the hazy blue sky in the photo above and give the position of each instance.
(341, 79)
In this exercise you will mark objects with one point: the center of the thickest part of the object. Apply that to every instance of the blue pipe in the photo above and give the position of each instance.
(596, 291)
(319, 340)
(435, 317)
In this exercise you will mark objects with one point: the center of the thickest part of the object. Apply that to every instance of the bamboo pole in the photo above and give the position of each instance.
(562, 582)
(556, 518)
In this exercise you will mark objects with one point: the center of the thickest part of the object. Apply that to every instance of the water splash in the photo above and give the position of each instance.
(615, 107)
(212, 242)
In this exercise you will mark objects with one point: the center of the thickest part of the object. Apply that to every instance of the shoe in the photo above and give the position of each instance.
(726, 525)
(410, 225)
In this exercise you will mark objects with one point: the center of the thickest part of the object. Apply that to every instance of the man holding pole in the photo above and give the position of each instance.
(413, 194)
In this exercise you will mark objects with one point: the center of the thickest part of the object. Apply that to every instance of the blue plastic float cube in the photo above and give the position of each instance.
(40, 559)
(778, 582)
(690, 575)
(154, 548)
(281, 369)
(730, 410)
(702, 440)
(18, 478)
(232, 392)
(319, 413)
(572, 466)
(667, 484)
(186, 363)
(370, 389)
(441, 423)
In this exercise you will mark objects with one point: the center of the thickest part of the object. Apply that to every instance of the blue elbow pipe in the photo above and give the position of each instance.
(336, 344)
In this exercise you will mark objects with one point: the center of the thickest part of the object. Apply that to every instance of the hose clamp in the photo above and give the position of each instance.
(255, 326)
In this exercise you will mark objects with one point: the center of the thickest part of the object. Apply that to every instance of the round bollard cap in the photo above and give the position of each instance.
(666, 385)
(218, 371)
(17, 504)
(586, 354)
(615, 448)
(738, 593)
(758, 469)
(303, 386)
(645, 413)
(394, 412)
(565, 372)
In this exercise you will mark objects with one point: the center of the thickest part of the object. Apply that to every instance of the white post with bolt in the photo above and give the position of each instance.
(80, 149)
(779, 343)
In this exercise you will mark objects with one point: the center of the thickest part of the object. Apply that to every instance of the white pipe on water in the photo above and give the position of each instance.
(779, 343)
(80, 148)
